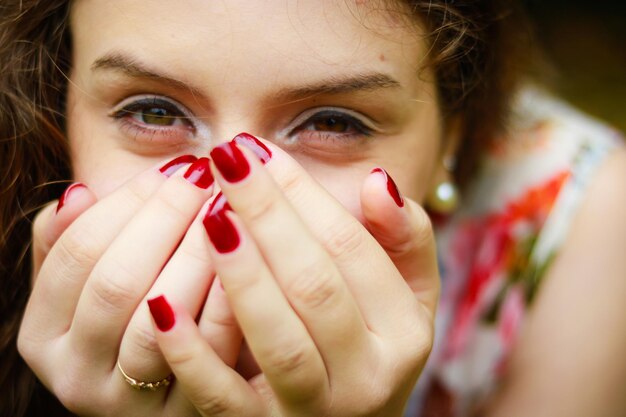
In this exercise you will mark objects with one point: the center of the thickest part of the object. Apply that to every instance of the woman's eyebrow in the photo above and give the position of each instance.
(338, 84)
(132, 68)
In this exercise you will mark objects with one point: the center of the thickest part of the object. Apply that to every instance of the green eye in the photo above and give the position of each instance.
(157, 116)
(154, 111)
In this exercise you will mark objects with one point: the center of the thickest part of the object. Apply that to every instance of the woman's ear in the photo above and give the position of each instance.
(443, 195)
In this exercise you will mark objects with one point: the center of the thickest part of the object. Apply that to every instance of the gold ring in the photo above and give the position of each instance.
(141, 385)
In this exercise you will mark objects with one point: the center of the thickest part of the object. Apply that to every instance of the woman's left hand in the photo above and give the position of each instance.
(339, 321)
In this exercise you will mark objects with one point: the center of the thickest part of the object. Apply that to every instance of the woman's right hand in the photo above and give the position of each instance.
(94, 262)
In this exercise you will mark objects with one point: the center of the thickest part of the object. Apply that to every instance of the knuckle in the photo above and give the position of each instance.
(170, 205)
(291, 181)
(71, 394)
(136, 192)
(314, 286)
(345, 240)
(185, 357)
(144, 341)
(419, 344)
(27, 347)
(193, 250)
(422, 232)
(112, 290)
(290, 358)
(79, 247)
(214, 403)
(223, 319)
(259, 208)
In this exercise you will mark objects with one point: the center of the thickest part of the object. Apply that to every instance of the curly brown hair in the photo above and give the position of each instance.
(476, 50)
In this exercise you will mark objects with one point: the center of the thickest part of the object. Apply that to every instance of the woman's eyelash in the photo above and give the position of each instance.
(335, 121)
(140, 106)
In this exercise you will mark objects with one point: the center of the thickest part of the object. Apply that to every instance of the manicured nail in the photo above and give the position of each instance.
(230, 161)
(175, 164)
(220, 229)
(219, 204)
(199, 173)
(162, 313)
(66, 194)
(391, 187)
(255, 145)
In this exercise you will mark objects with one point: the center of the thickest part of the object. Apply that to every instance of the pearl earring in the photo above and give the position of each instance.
(444, 198)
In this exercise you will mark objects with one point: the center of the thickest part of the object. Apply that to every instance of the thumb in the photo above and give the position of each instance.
(54, 218)
(404, 230)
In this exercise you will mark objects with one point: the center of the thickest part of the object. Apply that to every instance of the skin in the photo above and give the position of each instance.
(273, 49)
(112, 238)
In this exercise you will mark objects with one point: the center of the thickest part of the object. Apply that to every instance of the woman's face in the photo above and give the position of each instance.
(337, 84)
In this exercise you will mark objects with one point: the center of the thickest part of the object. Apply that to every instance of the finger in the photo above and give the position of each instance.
(276, 336)
(127, 270)
(404, 230)
(381, 293)
(186, 279)
(52, 221)
(214, 388)
(305, 272)
(219, 327)
(71, 259)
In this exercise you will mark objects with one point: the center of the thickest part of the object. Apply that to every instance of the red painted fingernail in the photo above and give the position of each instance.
(230, 161)
(219, 203)
(255, 145)
(218, 226)
(175, 164)
(162, 313)
(391, 187)
(199, 173)
(66, 194)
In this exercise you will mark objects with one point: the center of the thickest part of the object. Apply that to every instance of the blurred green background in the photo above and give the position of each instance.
(584, 48)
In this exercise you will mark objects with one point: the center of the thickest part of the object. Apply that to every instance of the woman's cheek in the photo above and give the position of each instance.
(343, 183)
(107, 170)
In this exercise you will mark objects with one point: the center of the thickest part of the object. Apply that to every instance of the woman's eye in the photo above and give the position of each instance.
(153, 112)
(157, 116)
(335, 123)
(155, 120)
(331, 124)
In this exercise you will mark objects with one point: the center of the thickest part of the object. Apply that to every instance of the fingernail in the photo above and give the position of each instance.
(175, 164)
(218, 226)
(255, 145)
(66, 194)
(230, 161)
(162, 313)
(199, 173)
(218, 204)
(391, 187)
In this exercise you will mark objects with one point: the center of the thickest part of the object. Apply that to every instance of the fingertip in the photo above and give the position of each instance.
(54, 219)
(162, 313)
(74, 200)
(381, 202)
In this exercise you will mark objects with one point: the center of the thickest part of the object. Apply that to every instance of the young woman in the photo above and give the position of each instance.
(192, 269)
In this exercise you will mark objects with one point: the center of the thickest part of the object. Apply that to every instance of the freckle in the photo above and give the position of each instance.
(382, 57)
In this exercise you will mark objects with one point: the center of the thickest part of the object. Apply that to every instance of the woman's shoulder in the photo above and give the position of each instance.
(547, 143)
(514, 220)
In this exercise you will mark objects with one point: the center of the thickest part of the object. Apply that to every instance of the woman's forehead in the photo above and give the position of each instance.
(277, 38)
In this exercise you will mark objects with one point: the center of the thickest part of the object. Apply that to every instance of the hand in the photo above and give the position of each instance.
(333, 324)
(89, 282)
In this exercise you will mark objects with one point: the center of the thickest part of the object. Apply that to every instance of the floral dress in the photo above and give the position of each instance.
(495, 250)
